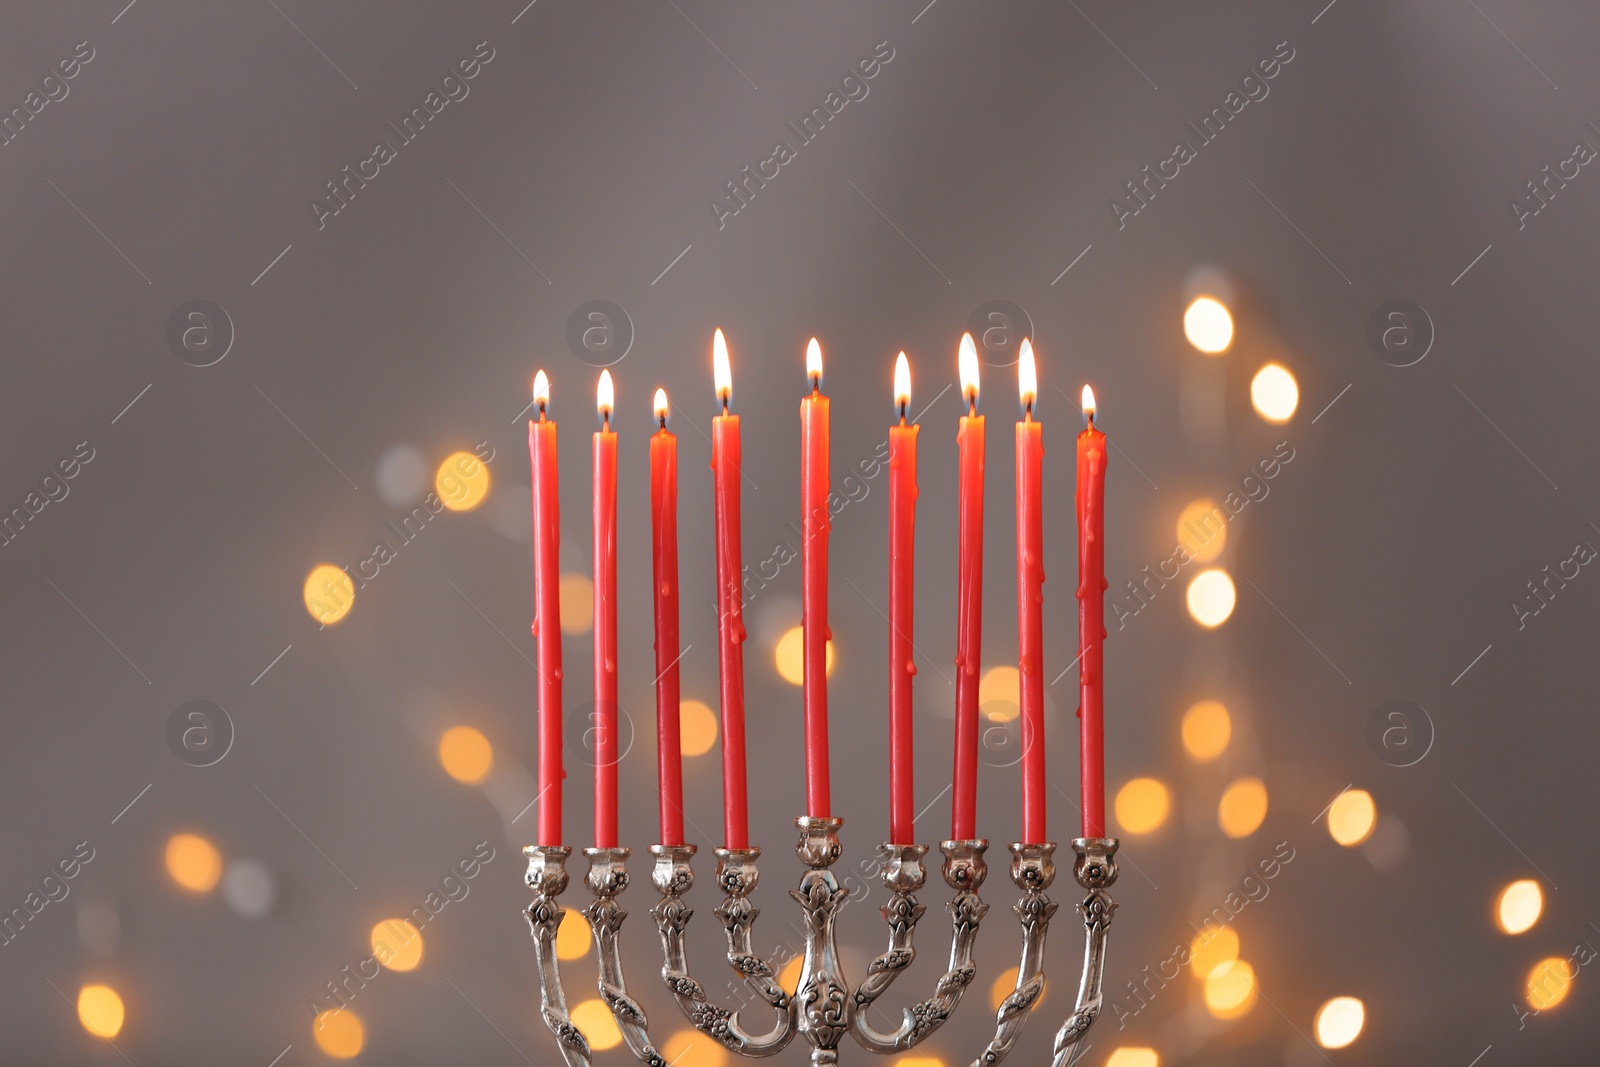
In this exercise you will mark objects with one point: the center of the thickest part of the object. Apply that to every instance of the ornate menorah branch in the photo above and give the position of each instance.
(737, 874)
(903, 875)
(823, 1008)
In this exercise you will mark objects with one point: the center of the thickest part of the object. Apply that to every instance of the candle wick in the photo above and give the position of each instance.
(541, 410)
(662, 418)
(903, 405)
(725, 403)
(816, 384)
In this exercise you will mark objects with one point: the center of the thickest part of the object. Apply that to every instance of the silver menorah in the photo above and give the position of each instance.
(823, 1008)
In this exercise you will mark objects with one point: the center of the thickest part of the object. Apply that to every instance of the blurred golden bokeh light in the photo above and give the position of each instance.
(1207, 728)
(100, 1010)
(1230, 990)
(572, 936)
(193, 862)
(789, 655)
(1243, 807)
(1142, 805)
(1000, 693)
(597, 1024)
(466, 754)
(691, 1048)
(339, 1033)
(789, 976)
(1203, 529)
(697, 727)
(917, 1059)
(1351, 817)
(1208, 325)
(1211, 949)
(1211, 597)
(1550, 981)
(577, 603)
(1519, 906)
(1274, 393)
(397, 945)
(462, 481)
(329, 593)
(1134, 1057)
(1339, 1021)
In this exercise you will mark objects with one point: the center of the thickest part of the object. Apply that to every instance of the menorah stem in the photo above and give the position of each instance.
(608, 876)
(822, 999)
(1096, 869)
(903, 874)
(1032, 870)
(547, 877)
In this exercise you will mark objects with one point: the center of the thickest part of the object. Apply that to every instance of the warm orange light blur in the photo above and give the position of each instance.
(339, 1033)
(100, 1010)
(967, 364)
(1027, 376)
(541, 389)
(605, 396)
(1088, 403)
(661, 406)
(721, 373)
(902, 382)
(1550, 981)
(1230, 990)
(1519, 906)
(814, 361)
(193, 862)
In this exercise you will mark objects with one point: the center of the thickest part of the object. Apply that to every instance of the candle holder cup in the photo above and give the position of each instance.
(824, 1008)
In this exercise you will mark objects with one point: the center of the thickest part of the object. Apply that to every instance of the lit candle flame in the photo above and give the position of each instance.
(967, 361)
(605, 397)
(721, 373)
(814, 362)
(661, 407)
(1027, 376)
(541, 391)
(902, 384)
(1088, 404)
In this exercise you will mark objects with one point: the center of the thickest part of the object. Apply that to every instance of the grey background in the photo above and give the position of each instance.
(181, 164)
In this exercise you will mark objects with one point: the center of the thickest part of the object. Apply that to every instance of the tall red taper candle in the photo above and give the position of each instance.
(605, 619)
(969, 599)
(725, 470)
(902, 572)
(664, 569)
(817, 521)
(547, 609)
(1091, 619)
(1030, 599)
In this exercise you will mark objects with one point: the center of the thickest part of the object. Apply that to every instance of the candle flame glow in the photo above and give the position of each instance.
(902, 384)
(541, 390)
(605, 396)
(814, 361)
(721, 373)
(661, 407)
(967, 362)
(1088, 403)
(1027, 376)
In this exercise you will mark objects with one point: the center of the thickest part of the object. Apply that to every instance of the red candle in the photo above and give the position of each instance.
(725, 472)
(1091, 619)
(605, 620)
(664, 568)
(547, 614)
(814, 583)
(969, 600)
(902, 664)
(1030, 599)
